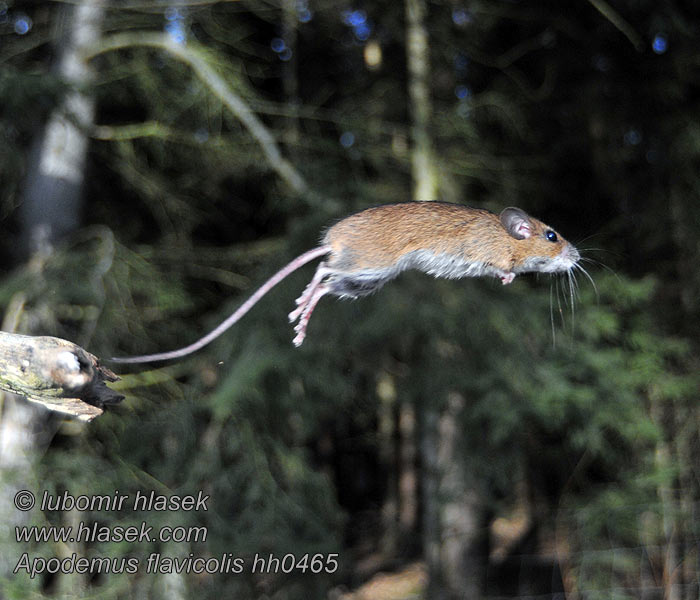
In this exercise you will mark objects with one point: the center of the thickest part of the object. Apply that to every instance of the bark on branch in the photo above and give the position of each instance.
(56, 373)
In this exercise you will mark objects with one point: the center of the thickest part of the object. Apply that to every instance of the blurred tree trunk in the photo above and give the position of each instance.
(397, 450)
(418, 57)
(19, 439)
(52, 202)
(663, 417)
(688, 456)
(451, 515)
(418, 63)
(408, 478)
(430, 477)
(51, 208)
(387, 426)
(463, 520)
(17, 446)
(290, 78)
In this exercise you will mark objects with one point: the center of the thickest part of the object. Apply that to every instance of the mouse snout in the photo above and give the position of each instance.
(567, 258)
(571, 254)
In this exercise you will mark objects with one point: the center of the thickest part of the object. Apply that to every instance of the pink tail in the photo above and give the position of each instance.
(284, 272)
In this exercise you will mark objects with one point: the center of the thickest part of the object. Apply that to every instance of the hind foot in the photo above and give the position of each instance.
(307, 302)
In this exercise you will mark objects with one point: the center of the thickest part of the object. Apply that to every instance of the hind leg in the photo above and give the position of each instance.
(302, 301)
(307, 302)
(307, 308)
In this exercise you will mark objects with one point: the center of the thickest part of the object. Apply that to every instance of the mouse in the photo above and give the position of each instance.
(365, 250)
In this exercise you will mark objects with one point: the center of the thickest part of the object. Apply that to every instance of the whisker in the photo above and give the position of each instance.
(573, 282)
(578, 243)
(593, 249)
(598, 263)
(551, 313)
(560, 293)
(563, 293)
(601, 250)
(571, 295)
(595, 288)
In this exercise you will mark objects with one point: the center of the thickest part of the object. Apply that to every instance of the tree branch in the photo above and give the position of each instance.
(618, 22)
(195, 59)
(56, 373)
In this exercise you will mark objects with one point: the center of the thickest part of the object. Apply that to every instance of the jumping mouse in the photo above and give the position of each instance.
(369, 248)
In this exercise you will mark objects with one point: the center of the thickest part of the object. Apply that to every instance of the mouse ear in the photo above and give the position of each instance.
(516, 222)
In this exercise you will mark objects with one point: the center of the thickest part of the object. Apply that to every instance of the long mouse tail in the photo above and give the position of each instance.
(298, 262)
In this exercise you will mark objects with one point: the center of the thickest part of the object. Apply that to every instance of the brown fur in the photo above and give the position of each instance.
(377, 237)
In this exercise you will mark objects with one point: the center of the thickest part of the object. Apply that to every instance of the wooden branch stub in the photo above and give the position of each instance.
(56, 373)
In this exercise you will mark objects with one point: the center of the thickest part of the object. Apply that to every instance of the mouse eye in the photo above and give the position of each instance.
(550, 235)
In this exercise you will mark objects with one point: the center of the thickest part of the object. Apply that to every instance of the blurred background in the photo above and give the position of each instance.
(446, 439)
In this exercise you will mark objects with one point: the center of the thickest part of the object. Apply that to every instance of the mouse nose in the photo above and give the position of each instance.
(571, 253)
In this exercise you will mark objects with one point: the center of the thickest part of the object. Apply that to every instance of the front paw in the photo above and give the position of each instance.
(507, 278)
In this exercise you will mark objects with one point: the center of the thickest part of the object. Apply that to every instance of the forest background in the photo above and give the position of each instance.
(159, 160)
